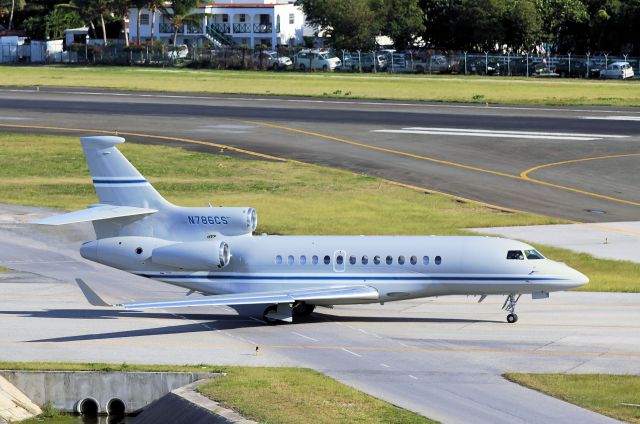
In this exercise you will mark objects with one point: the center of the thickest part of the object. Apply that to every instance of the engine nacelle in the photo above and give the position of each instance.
(197, 255)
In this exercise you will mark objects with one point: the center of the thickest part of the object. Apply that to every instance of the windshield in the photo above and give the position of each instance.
(533, 254)
(331, 55)
(515, 254)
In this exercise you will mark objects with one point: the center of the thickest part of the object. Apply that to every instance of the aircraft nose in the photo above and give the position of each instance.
(577, 279)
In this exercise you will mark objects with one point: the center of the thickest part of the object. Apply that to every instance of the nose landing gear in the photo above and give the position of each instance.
(510, 306)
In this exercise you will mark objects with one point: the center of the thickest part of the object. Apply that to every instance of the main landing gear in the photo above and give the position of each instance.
(510, 306)
(286, 312)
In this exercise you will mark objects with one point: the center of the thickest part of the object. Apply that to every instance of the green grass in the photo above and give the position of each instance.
(294, 395)
(274, 395)
(365, 86)
(3, 269)
(598, 392)
(45, 170)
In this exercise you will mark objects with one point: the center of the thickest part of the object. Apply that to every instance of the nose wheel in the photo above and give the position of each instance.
(510, 306)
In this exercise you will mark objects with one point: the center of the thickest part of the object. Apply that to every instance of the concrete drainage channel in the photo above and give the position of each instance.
(149, 396)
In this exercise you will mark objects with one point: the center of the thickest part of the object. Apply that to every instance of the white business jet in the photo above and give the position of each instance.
(212, 250)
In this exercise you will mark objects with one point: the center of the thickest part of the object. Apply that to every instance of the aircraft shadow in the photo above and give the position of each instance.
(353, 318)
(113, 314)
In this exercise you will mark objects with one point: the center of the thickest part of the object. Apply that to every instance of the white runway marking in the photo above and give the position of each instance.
(304, 337)
(500, 134)
(613, 118)
(353, 353)
(11, 118)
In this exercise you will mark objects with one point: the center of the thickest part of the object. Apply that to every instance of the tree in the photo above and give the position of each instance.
(9, 7)
(403, 21)
(564, 23)
(61, 18)
(181, 13)
(522, 24)
(350, 24)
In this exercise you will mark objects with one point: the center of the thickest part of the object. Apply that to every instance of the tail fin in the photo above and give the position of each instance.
(116, 181)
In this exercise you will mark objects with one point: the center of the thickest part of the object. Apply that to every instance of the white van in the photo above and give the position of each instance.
(317, 59)
(617, 70)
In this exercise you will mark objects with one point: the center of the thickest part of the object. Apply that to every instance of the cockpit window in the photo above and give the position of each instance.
(515, 254)
(533, 254)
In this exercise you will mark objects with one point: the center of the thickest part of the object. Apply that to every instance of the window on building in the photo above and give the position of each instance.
(438, 260)
(352, 260)
(327, 259)
(278, 260)
(303, 259)
(365, 260)
(290, 260)
(425, 260)
(243, 18)
(401, 260)
(225, 18)
(292, 18)
(144, 19)
(413, 260)
(314, 259)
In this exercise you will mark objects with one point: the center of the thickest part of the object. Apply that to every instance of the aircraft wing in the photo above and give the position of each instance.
(95, 213)
(307, 295)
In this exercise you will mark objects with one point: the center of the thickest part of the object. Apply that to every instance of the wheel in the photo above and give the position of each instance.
(419, 69)
(325, 68)
(268, 320)
(275, 67)
(302, 67)
(302, 309)
(511, 318)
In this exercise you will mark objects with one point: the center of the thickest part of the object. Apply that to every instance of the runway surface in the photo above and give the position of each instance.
(573, 163)
(440, 357)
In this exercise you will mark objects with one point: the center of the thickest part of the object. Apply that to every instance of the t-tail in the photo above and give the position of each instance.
(116, 181)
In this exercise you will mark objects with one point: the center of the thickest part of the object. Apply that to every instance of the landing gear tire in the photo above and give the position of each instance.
(268, 320)
(302, 309)
(512, 318)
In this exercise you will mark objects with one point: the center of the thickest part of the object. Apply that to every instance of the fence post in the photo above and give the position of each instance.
(373, 56)
(569, 54)
(509, 63)
(392, 63)
(588, 65)
(486, 63)
(527, 64)
(359, 62)
(606, 60)
(465, 63)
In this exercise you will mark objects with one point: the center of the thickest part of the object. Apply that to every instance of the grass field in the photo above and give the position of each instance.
(601, 393)
(270, 395)
(444, 88)
(43, 170)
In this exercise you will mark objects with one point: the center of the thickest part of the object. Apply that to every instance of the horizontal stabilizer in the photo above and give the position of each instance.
(95, 213)
(307, 295)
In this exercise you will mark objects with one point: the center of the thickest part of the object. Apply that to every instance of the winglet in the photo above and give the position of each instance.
(91, 296)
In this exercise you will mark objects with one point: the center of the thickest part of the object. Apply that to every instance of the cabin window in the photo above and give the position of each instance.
(327, 259)
(425, 260)
(389, 260)
(314, 259)
(401, 260)
(533, 254)
(365, 260)
(303, 259)
(438, 260)
(376, 260)
(290, 260)
(339, 259)
(515, 254)
(352, 260)
(413, 260)
(278, 260)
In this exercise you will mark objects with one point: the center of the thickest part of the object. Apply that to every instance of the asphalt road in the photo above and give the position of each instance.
(573, 163)
(442, 358)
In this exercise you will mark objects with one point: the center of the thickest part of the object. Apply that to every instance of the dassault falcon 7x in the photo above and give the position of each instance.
(212, 250)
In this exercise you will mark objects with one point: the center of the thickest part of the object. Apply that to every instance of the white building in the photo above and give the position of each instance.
(250, 22)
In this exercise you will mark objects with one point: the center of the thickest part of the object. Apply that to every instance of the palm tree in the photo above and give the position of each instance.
(181, 14)
(154, 6)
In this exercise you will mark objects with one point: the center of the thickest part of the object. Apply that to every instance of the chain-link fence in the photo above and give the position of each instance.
(325, 60)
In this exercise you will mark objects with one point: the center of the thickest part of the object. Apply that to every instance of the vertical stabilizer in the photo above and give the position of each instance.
(116, 181)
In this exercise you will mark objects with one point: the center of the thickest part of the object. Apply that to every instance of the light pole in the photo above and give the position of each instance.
(86, 48)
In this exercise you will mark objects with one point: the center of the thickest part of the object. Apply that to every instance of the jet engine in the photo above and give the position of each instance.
(197, 255)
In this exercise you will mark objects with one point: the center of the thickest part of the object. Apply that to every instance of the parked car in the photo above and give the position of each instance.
(436, 64)
(317, 59)
(273, 60)
(617, 70)
(573, 68)
(521, 67)
(480, 66)
(180, 51)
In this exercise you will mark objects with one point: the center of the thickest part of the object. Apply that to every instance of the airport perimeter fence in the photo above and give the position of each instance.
(381, 61)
